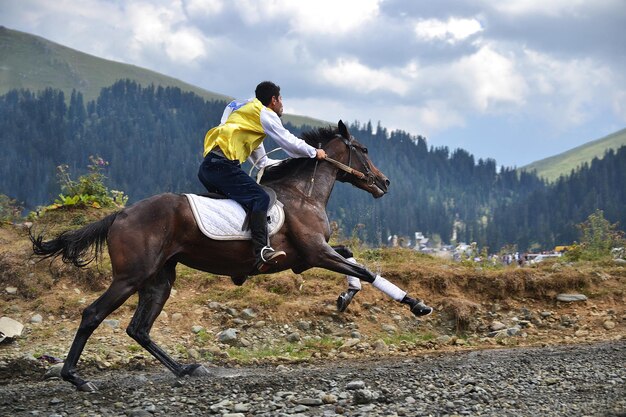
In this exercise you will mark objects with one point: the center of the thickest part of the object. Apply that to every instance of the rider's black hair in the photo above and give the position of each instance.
(265, 91)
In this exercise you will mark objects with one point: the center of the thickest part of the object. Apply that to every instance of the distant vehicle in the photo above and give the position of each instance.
(543, 257)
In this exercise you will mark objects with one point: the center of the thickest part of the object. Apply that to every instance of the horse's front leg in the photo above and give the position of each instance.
(354, 284)
(340, 259)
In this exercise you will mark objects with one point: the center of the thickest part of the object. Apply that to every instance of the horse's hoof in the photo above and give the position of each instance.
(342, 302)
(344, 299)
(420, 309)
(87, 387)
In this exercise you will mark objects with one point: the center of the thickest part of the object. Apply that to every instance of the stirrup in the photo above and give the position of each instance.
(272, 258)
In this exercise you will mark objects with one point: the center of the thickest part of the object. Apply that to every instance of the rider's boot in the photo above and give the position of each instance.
(418, 308)
(264, 254)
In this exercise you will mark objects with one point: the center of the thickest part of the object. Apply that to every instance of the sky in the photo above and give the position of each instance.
(511, 80)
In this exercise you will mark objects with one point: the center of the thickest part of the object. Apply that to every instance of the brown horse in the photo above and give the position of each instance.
(148, 239)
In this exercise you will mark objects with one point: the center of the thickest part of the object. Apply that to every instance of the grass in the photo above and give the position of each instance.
(285, 350)
(34, 63)
(562, 164)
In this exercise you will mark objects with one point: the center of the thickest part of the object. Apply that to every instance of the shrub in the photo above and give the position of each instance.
(10, 211)
(89, 190)
(598, 237)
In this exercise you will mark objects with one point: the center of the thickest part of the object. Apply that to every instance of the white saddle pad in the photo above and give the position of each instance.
(223, 219)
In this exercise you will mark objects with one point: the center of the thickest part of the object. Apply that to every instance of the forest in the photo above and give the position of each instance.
(152, 139)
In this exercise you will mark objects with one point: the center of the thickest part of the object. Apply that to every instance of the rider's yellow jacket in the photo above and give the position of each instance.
(245, 125)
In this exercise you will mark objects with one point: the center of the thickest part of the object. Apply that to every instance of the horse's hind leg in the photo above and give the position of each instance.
(93, 315)
(152, 298)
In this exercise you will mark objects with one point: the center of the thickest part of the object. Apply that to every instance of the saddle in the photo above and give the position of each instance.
(221, 218)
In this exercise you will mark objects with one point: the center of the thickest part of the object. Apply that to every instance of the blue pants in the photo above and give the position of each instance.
(219, 174)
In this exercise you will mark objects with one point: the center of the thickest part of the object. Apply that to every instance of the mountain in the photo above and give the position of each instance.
(562, 164)
(34, 63)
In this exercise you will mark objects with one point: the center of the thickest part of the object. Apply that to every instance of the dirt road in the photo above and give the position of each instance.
(573, 380)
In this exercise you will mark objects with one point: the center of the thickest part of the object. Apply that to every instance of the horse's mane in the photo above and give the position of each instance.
(289, 167)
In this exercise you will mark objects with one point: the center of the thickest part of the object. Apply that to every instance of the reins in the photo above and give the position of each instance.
(346, 168)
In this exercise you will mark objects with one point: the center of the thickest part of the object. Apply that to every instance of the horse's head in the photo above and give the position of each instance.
(361, 171)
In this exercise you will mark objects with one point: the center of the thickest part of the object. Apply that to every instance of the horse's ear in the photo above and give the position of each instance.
(343, 130)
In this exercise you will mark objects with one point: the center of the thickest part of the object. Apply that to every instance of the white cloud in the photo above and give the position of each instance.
(453, 30)
(157, 28)
(185, 46)
(619, 104)
(569, 87)
(349, 73)
(199, 8)
(311, 16)
(489, 78)
(552, 8)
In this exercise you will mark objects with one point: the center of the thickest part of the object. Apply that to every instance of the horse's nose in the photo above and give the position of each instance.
(387, 182)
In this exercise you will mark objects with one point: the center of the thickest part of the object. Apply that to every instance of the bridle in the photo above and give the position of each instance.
(368, 176)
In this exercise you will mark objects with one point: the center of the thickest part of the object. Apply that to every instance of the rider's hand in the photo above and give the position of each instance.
(320, 154)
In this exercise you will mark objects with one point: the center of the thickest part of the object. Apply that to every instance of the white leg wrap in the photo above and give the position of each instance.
(353, 282)
(388, 288)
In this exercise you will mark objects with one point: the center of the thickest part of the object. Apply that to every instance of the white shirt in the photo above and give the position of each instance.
(273, 127)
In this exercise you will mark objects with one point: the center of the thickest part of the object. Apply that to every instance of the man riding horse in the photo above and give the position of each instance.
(240, 136)
(144, 248)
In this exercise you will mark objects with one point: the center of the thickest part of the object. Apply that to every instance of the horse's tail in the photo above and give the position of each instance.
(74, 245)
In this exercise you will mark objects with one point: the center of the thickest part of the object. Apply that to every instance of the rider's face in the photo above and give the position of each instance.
(277, 105)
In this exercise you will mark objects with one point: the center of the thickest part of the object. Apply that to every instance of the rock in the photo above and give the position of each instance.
(619, 261)
(512, 331)
(11, 290)
(380, 346)
(304, 325)
(608, 325)
(329, 399)
(228, 336)
(248, 313)
(114, 324)
(310, 401)
(443, 340)
(36, 319)
(389, 328)
(293, 337)
(570, 298)
(242, 407)
(355, 385)
(496, 325)
(214, 305)
(177, 316)
(364, 396)
(499, 333)
(350, 343)
(10, 328)
(139, 412)
(54, 371)
(196, 329)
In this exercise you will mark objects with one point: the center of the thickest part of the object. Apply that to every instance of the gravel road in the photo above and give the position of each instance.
(573, 380)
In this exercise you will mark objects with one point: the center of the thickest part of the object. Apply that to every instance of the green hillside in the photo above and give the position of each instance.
(34, 63)
(562, 164)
